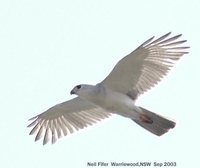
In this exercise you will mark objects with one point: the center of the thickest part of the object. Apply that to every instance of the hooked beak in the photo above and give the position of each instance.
(72, 92)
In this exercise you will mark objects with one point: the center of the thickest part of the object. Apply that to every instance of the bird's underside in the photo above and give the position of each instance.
(132, 76)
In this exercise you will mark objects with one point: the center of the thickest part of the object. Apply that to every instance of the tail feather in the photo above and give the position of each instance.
(158, 125)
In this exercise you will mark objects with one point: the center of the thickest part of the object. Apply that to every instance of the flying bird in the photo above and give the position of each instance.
(133, 75)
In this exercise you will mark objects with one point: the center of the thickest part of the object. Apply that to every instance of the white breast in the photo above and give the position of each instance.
(118, 103)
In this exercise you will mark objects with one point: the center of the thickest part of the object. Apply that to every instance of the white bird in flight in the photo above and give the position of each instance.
(116, 94)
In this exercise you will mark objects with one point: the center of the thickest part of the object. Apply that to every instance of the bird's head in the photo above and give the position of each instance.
(76, 89)
(82, 90)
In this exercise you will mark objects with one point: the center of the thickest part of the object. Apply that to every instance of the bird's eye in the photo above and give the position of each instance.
(78, 86)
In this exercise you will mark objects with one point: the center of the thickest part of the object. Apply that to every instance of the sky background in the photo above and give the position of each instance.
(47, 47)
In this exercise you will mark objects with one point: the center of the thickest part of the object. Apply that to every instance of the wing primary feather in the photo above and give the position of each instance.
(46, 136)
(57, 127)
(33, 118)
(54, 133)
(146, 42)
(170, 39)
(159, 39)
(62, 126)
(69, 127)
(36, 127)
(41, 130)
(173, 44)
(178, 48)
(34, 122)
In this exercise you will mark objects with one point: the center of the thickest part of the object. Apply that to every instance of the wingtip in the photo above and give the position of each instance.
(44, 142)
(167, 34)
(33, 118)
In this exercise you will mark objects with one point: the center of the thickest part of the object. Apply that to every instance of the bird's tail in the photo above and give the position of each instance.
(154, 123)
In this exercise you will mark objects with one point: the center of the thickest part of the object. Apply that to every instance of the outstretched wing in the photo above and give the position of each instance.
(144, 67)
(65, 118)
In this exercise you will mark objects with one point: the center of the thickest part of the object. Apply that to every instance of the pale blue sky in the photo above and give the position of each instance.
(47, 47)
